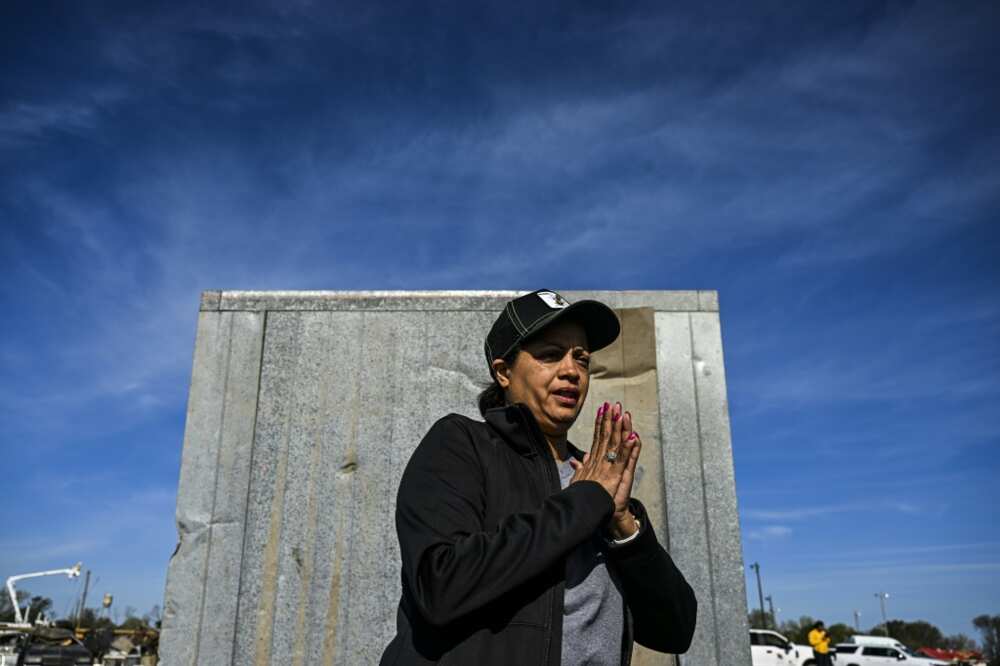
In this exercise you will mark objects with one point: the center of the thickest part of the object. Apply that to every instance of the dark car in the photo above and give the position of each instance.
(51, 646)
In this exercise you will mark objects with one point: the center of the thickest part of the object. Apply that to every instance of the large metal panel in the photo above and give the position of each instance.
(683, 478)
(700, 485)
(199, 617)
(344, 399)
(304, 409)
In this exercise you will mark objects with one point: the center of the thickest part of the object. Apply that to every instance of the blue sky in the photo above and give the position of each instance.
(830, 168)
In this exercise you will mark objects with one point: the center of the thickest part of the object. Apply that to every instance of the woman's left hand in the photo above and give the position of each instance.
(614, 421)
(623, 523)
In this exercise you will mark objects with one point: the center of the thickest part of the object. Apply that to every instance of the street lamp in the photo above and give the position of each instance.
(774, 613)
(882, 596)
(857, 620)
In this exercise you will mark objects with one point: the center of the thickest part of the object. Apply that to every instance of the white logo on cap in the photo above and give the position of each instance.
(553, 300)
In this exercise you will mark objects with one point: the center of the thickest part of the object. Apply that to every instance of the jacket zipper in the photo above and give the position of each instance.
(554, 486)
(551, 477)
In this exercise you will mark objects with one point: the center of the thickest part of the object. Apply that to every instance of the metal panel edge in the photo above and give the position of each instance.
(722, 515)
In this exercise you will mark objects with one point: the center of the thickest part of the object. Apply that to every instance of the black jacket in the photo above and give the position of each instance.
(484, 529)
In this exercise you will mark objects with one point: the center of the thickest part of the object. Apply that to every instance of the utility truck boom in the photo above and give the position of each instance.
(72, 572)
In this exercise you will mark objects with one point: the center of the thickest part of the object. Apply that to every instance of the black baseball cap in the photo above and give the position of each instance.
(526, 315)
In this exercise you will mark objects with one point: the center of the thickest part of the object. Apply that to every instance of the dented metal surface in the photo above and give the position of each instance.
(303, 411)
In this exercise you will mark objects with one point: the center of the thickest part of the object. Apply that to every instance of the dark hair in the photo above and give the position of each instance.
(493, 395)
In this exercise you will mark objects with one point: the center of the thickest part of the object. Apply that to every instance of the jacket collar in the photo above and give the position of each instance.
(518, 427)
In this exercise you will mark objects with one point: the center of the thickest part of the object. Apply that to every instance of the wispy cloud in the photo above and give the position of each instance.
(29, 121)
(801, 513)
(869, 570)
(140, 517)
(769, 532)
(74, 113)
(48, 549)
(915, 549)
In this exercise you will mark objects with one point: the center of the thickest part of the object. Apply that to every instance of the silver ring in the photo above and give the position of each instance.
(611, 456)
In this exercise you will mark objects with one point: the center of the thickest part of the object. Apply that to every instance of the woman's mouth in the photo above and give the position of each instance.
(568, 396)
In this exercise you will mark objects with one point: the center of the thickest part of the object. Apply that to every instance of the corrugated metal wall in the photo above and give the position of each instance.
(303, 411)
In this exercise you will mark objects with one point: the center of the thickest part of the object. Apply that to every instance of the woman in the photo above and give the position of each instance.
(518, 548)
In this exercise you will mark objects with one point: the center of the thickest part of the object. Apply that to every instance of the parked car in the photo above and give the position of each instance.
(769, 648)
(883, 641)
(914, 658)
(854, 654)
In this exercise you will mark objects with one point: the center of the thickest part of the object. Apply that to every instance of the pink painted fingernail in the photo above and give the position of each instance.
(600, 411)
(633, 436)
(617, 414)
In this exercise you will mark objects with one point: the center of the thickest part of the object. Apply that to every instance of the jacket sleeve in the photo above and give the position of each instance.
(663, 605)
(453, 563)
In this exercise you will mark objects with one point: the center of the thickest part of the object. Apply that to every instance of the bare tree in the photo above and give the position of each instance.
(35, 604)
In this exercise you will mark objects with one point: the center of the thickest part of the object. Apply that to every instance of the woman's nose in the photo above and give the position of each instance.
(568, 367)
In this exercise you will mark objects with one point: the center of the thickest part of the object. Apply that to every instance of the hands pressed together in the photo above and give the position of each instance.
(611, 462)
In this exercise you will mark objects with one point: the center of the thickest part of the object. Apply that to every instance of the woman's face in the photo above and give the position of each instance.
(550, 376)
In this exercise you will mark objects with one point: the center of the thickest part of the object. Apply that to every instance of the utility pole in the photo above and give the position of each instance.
(760, 593)
(857, 620)
(882, 596)
(83, 598)
(770, 607)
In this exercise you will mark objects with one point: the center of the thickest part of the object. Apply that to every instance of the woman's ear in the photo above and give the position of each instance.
(502, 372)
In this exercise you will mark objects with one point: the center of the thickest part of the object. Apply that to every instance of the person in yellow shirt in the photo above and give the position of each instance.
(820, 642)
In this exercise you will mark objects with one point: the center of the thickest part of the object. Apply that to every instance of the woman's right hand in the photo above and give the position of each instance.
(608, 428)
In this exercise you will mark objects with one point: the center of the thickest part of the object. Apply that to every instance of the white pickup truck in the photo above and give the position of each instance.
(769, 648)
(880, 651)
